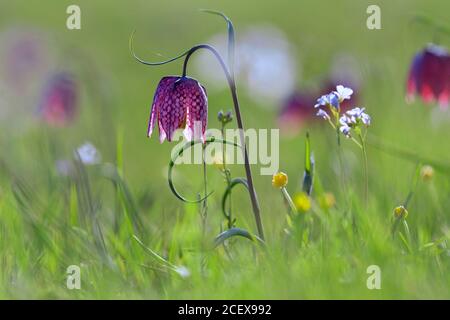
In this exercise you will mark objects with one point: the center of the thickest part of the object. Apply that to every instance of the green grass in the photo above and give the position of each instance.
(48, 222)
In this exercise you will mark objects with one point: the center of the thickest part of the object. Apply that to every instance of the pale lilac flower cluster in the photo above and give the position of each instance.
(330, 99)
(323, 114)
(333, 99)
(353, 119)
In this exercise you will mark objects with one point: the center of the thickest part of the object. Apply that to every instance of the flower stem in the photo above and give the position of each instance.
(366, 170)
(342, 168)
(229, 74)
(289, 200)
(339, 151)
(204, 211)
(237, 111)
(227, 177)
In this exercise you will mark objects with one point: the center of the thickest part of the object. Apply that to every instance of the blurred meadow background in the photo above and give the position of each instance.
(117, 218)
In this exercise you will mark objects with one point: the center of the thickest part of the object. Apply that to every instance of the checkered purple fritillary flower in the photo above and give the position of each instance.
(179, 103)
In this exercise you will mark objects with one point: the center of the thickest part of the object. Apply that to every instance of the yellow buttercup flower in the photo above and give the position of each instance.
(302, 202)
(327, 200)
(280, 180)
(217, 161)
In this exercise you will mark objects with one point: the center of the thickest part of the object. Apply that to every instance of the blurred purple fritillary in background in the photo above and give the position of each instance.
(179, 102)
(429, 76)
(59, 101)
(296, 110)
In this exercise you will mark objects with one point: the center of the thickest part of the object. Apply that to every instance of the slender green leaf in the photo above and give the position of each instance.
(236, 232)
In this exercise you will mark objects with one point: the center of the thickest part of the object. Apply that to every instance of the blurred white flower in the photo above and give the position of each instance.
(182, 271)
(25, 59)
(88, 154)
(265, 64)
(64, 167)
(345, 69)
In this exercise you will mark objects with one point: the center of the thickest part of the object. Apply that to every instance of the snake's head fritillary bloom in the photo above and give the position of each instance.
(59, 101)
(429, 76)
(179, 102)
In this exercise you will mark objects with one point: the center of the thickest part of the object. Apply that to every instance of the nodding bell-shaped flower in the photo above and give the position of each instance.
(58, 104)
(179, 102)
(429, 76)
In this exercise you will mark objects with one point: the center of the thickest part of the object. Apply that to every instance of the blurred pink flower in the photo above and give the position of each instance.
(24, 56)
(179, 102)
(429, 76)
(58, 105)
(297, 109)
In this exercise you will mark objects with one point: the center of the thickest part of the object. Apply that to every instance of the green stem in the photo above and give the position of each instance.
(289, 200)
(204, 211)
(366, 170)
(342, 169)
(227, 177)
(339, 151)
(237, 111)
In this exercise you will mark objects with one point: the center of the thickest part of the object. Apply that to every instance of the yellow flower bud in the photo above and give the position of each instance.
(427, 173)
(302, 202)
(400, 212)
(280, 180)
(217, 162)
(327, 200)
